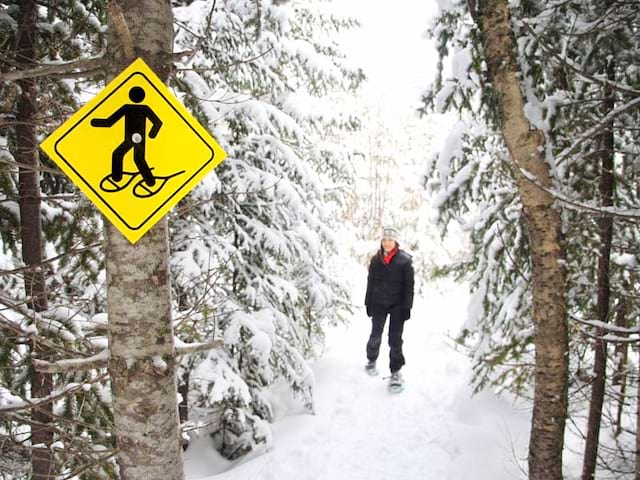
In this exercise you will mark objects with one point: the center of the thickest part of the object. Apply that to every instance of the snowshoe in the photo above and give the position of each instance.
(371, 369)
(109, 184)
(396, 383)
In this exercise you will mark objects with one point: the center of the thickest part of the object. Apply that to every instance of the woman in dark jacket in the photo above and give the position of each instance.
(389, 292)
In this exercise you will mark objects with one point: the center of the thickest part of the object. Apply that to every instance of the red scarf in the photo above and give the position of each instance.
(387, 258)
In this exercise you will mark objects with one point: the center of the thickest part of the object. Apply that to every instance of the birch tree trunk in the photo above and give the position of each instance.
(31, 235)
(605, 226)
(142, 366)
(526, 148)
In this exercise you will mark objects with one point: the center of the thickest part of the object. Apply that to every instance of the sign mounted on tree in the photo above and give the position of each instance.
(134, 150)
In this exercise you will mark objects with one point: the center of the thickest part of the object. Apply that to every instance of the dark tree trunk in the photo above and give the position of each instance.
(637, 475)
(31, 233)
(183, 390)
(622, 353)
(605, 226)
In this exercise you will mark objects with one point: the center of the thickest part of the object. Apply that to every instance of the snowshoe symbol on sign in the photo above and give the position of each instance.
(135, 118)
(141, 189)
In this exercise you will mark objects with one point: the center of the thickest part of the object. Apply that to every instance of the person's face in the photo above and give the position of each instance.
(388, 244)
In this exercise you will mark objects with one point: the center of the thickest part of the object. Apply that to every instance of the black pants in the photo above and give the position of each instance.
(396, 325)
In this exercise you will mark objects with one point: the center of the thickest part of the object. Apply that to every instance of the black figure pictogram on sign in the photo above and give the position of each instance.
(135, 119)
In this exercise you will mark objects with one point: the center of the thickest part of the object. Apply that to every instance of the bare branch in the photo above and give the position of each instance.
(99, 360)
(72, 251)
(66, 69)
(35, 402)
(122, 29)
(189, 348)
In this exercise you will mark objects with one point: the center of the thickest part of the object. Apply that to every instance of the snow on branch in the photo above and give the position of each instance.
(591, 132)
(630, 214)
(609, 331)
(577, 69)
(189, 348)
(101, 359)
(39, 320)
(35, 402)
(64, 69)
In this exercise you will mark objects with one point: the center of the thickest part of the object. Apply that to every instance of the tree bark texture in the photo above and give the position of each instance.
(142, 365)
(31, 234)
(605, 227)
(526, 148)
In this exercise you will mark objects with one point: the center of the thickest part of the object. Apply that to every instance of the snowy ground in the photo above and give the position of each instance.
(433, 430)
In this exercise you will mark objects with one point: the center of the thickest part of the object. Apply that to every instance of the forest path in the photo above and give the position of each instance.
(434, 429)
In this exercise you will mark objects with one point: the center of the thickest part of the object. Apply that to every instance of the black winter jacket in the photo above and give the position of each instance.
(390, 286)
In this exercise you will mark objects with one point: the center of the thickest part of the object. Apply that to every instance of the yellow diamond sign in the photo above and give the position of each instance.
(134, 150)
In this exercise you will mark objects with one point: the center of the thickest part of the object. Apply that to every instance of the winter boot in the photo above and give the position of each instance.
(371, 369)
(396, 382)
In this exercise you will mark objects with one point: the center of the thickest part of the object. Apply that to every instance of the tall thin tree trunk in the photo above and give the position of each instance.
(605, 226)
(637, 476)
(31, 233)
(622, 353)
(526, 148)
(142, 366)
(183, 390)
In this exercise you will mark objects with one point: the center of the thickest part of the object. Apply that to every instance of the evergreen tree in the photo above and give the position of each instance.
(571, 54)
(252, 241)
(65, 32)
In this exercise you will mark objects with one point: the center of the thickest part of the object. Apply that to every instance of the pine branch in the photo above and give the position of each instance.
(604, 123)
(48, 324)
(576, 68)
(577, 205)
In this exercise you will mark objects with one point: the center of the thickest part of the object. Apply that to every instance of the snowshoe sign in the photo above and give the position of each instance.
(134, 150)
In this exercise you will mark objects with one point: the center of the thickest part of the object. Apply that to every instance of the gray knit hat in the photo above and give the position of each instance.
(392, 233)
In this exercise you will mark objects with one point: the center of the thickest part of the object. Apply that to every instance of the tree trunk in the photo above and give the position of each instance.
(622, 352)
(142, 366)
(605, 226)
(31, 234)
(183, 390)
(526, 148)
(637, 475)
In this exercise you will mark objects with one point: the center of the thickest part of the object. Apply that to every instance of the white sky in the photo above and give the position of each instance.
(392, 49)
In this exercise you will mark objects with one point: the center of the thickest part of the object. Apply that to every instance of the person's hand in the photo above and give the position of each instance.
(369, 311)
(405, 314)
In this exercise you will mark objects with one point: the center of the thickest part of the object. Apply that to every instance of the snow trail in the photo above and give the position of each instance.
(432, 430)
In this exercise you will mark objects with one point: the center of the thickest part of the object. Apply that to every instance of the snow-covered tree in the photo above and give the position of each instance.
(575, 59)
(251, 246)
(252, 242)
(61, 35)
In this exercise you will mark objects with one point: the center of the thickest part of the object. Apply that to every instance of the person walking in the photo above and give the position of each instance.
(389, 293)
